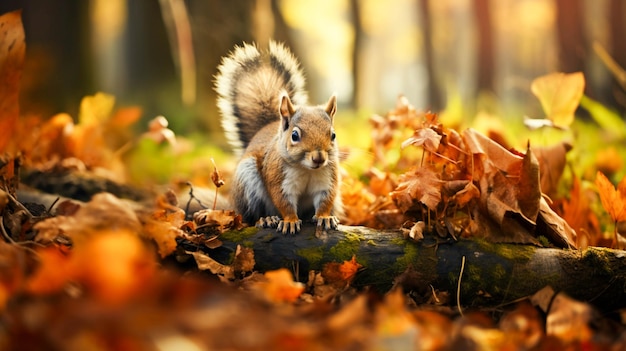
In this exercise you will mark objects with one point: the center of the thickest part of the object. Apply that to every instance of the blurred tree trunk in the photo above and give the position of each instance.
(617, 28)
(216, 27)
(486, 62)
(281, 32)
(263, 22)
(571, 36)
(434, 92)
(356, 49)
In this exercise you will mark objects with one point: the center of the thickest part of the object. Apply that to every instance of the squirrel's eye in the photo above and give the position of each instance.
(332, 136)
(295, 136)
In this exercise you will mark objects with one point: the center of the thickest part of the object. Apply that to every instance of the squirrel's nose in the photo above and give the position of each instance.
(318, 159)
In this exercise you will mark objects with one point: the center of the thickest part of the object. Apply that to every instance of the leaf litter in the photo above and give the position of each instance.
(100, 274)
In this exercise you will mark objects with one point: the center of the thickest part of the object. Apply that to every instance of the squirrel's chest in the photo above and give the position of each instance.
(301, 182)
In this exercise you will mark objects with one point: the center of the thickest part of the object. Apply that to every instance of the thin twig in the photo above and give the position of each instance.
(458, 288)
(20, 205)
(192, 197)
(4, 232)
(52, 205)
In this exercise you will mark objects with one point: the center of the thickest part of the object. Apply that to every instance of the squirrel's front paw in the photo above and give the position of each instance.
(289, 226)
(268, 222)
(327, 222)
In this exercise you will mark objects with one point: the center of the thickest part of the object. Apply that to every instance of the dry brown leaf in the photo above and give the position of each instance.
(417, 231)
(528, 186)
(555, 227)
(419, 185)
(467, 194)
(244, 260)
(164, 234)
(220, 220)
(12, 52)
(551, 164)
(216, 177)
(425, 137)
(48, 142)
(497, 156)
(356, 200)
(205, 262)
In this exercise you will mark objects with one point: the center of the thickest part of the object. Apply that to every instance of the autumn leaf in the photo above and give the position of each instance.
(114, 265)
(95, 109)
(394, 322)
(559, 94)
(218, 221)
(529, 191)
(340, 274)
(613, 200)
(551, 165)
(576, 211)
(280, 286)
(164, 234)
(12, 51)
(425, 137)
(419, 185)
(205, 262)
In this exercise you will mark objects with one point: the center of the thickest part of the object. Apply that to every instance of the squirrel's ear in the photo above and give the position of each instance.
(331, 106)
(286, 110)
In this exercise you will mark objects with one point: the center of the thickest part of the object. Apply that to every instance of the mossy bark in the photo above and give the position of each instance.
(494, 274)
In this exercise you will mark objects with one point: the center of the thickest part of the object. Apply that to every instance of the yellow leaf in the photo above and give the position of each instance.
(95, 109)
(559, 94)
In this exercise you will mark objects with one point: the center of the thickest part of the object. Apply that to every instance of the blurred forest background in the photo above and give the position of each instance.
(470, 55)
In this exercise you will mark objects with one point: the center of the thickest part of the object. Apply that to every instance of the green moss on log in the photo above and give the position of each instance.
(313, 255)
(240, 236)
(348, 247)
(520, 253)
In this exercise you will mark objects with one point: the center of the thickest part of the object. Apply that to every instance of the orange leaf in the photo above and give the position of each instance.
(54, 271)
(613, 200)
(280, 286)
(340, 274)
(115, 266)
(12, 50)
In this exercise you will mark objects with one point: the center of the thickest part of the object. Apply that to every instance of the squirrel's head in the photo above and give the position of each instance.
(307, 134)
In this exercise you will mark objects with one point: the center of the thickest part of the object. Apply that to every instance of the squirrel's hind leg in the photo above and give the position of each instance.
(250, 196)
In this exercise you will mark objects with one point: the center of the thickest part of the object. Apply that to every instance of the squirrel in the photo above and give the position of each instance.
(289, 165)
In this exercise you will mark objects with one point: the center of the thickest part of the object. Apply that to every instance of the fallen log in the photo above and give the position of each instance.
(493, 275)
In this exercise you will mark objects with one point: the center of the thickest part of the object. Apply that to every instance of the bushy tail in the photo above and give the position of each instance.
(248, 85)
